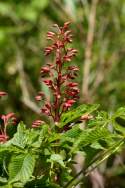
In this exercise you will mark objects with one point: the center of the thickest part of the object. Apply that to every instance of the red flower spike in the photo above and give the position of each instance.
(9, 117)
(56, 75)
(6, 120)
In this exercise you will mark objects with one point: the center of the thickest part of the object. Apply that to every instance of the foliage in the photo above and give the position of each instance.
(38, 153)
(43, 155)
(22, 40)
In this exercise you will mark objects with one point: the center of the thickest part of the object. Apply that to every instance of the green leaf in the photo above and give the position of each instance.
(54, 137)
(120, 113)
(19, 138)
(89, 136)
(56, 158)
(21, 168)
(118, 120)
(74, 132)
(102, 119)
(96, 145)
(75, 114)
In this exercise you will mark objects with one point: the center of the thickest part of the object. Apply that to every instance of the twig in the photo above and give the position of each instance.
(23, 84)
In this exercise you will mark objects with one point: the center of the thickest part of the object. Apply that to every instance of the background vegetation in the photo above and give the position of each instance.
(99, 36)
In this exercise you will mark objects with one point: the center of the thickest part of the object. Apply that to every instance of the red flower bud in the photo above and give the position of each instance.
(37, 123)
(40, 96)
(69, 103)
(73, 68)
(3, 138)
(9, 117)
(48, 50)
(50, 35)
(72, 84)
(48, 82)
(45, 111)
(44, 70)
(86, 117)
(70, 53)
(2, 93)
(66, 25)
(47, 105)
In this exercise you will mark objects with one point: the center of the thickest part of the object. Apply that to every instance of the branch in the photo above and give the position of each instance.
(88, 50)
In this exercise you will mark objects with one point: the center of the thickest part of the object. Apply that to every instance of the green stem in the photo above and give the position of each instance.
(75, 181)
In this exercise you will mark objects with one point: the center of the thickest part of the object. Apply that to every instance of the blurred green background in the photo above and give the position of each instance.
(99, 36)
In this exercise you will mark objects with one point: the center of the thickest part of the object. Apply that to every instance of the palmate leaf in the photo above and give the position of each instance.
(21, 168)
(24, 138)
(75, 114)
(89, 136)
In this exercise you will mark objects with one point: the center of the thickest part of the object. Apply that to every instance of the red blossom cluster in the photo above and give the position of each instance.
(57, 76)
(5, 120)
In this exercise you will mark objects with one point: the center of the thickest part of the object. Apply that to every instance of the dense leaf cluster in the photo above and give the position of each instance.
(44, 157)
